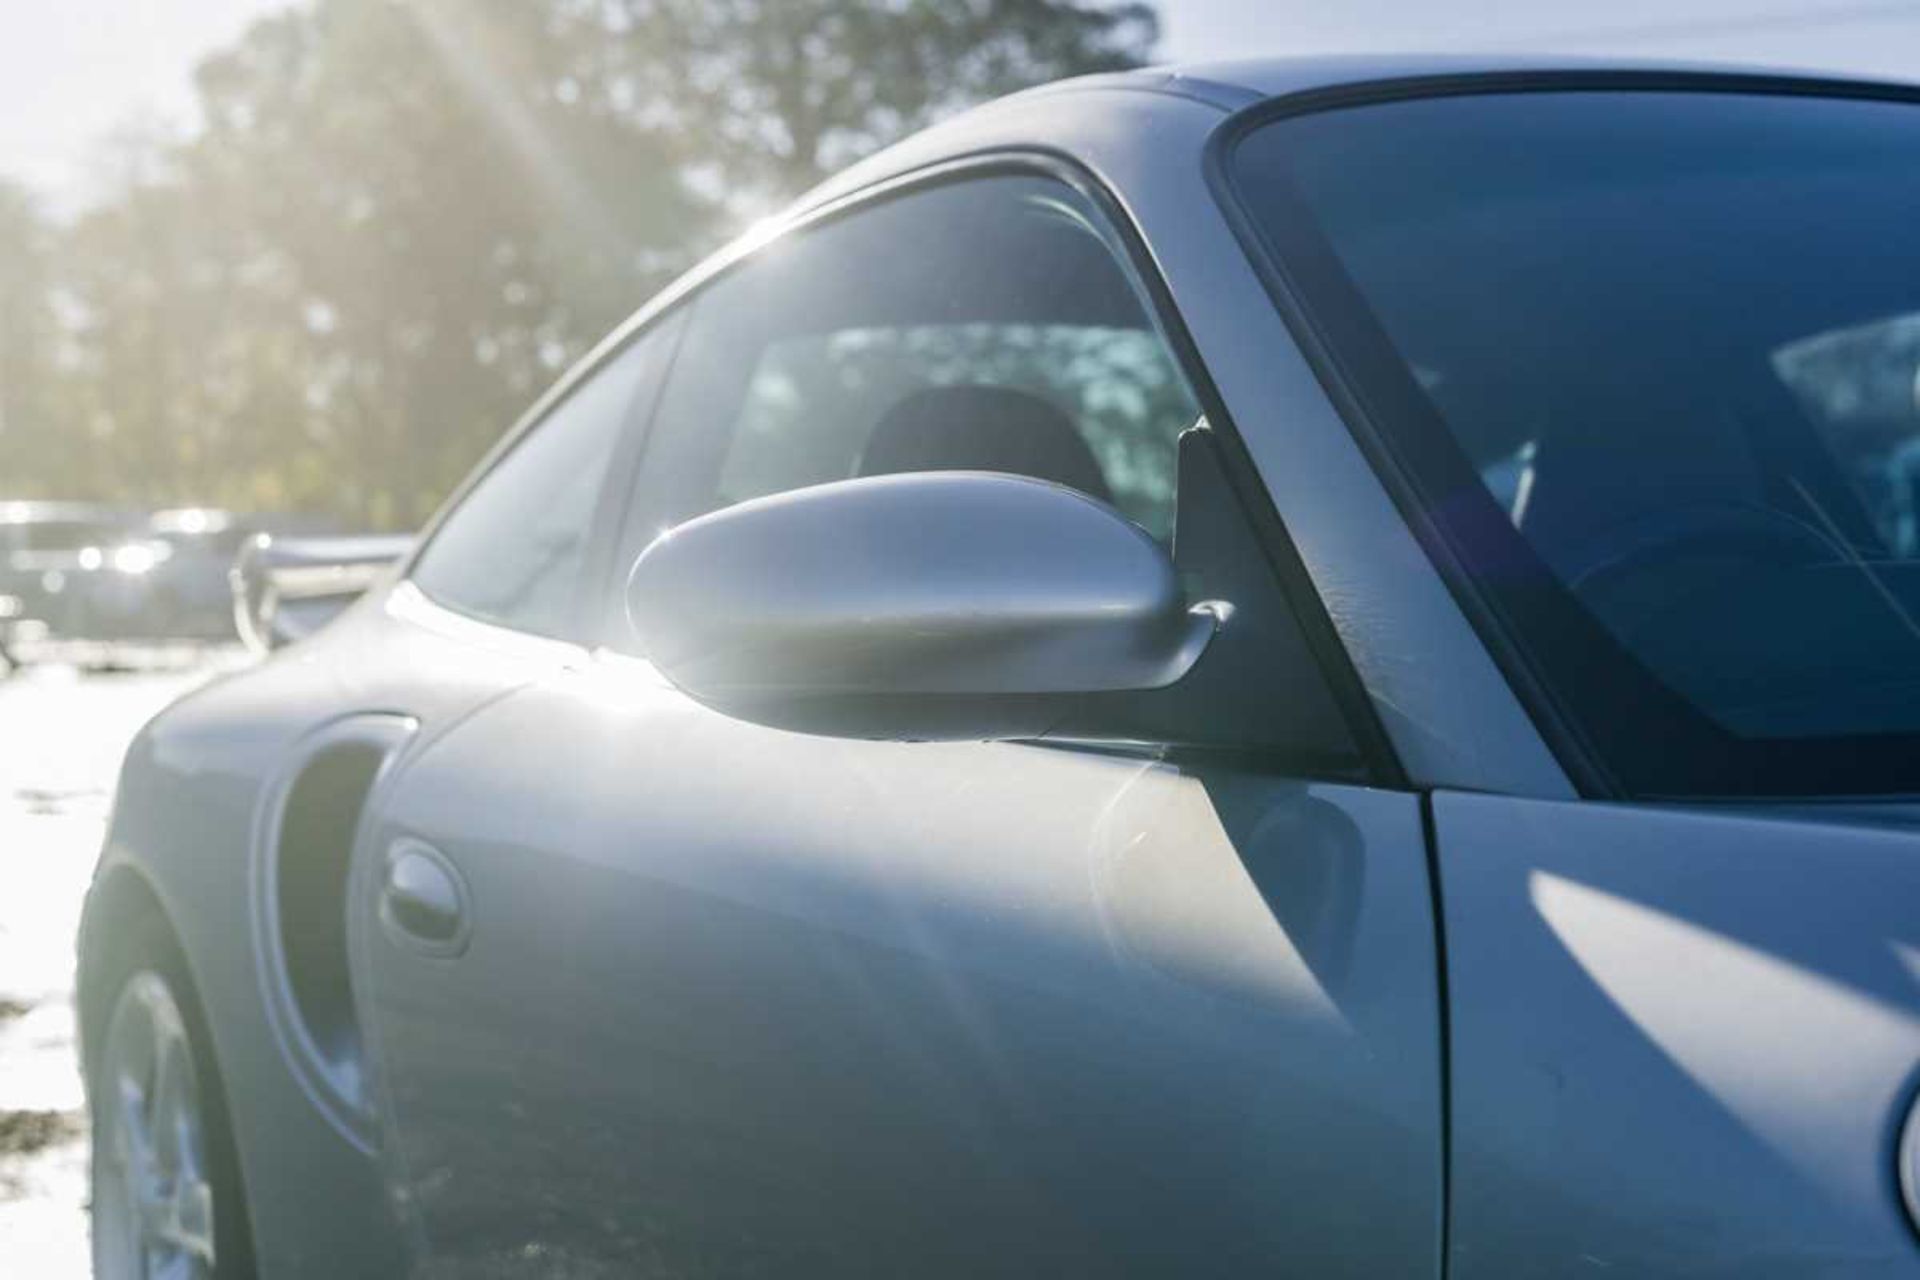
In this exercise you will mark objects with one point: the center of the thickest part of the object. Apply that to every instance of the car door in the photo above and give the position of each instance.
(1686, 1037)
(653, 990)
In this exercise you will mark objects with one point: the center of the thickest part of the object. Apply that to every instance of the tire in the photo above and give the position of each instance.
(166, 1186)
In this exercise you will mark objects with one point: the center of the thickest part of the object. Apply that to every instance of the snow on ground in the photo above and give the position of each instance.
(62, 735)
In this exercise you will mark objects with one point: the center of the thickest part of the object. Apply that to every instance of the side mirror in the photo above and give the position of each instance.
(924, 605)
(285, 589)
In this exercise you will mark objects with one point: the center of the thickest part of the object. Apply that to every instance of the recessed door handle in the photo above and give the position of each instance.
(423, 901)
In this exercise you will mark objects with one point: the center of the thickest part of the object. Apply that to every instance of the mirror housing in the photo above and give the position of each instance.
(922, 605)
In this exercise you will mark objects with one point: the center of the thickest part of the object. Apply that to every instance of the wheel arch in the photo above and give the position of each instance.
(126, 930)
(121, 899)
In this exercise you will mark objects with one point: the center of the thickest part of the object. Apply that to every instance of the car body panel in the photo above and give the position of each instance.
(1683, 1041)
(187, 822)
(980, 1007)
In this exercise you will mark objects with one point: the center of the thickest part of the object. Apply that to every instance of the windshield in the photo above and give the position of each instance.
(1652, 362)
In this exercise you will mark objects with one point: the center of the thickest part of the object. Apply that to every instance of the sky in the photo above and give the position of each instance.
(75, 72)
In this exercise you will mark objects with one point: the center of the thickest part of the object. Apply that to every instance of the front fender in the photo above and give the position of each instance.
(180, 844)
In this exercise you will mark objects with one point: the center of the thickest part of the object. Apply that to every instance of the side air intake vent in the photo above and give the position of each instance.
(301, 908)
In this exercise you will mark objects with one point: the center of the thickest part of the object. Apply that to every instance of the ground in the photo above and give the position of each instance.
(62, 734)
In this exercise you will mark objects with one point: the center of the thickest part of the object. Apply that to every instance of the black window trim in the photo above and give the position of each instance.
(598, 569)
(628, 439)
(1351, 372)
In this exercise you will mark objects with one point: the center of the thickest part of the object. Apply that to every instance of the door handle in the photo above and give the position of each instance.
(423, 900)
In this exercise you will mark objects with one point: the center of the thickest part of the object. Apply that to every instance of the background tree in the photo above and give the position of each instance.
(402, 218)
(27, 330)
(770, 96)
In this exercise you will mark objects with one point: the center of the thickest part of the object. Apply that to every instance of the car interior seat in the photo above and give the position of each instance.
(982, 428)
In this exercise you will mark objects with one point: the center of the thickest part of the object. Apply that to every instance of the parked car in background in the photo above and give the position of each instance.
(127, 579)
(285, 589)
(163, 580)
(189, 595)
(44, 547)
(1305, 667)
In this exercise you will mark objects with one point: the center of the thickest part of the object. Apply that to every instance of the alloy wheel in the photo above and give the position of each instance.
(152, 1194)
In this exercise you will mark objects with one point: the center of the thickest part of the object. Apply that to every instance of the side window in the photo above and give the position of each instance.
(987, 324)
(513, 551)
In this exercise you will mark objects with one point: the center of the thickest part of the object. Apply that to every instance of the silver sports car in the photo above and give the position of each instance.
(1299, 668)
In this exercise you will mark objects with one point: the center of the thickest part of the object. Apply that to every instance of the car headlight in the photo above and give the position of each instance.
(137, 557)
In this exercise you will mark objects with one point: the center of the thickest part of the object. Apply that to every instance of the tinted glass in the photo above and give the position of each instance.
(986, 325)
(1652, 360)
(68, 535)
(513, 551)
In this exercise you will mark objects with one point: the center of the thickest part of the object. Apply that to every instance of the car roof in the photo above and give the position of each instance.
(40, 511)
(1236, 82)
(1229, 86)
